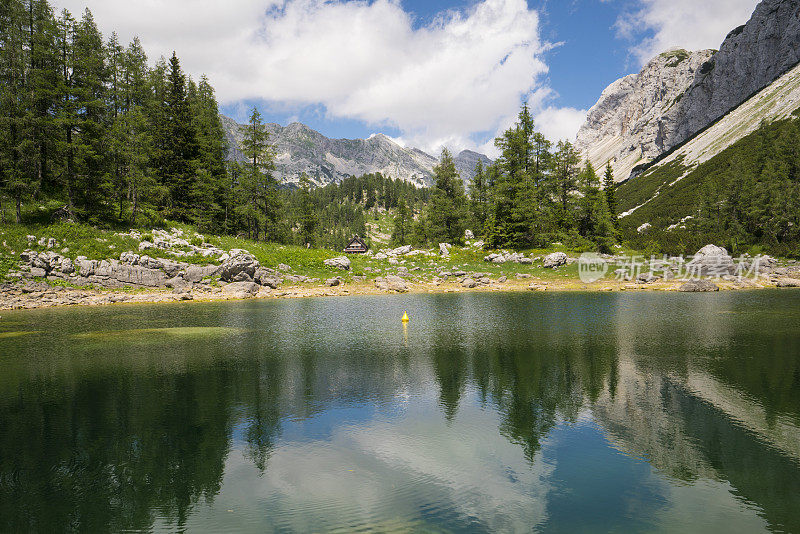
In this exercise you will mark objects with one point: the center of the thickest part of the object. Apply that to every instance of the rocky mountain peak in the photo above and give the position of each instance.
(300, 149)
(628, 123)
(678, 94)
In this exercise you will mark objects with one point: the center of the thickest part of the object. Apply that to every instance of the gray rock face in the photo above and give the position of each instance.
(678, 93)
(240, 261)
(299, 149)
(711, 260)
(332, 282)
(341, 262)
(268, 278)
(787, 282)
(556, 259)
(632, 120)
(196, 273)
(240, 290)
(469, 283)
(136, 275)
(751, 57)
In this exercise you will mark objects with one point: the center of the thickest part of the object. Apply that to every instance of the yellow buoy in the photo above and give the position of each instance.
(405, 317)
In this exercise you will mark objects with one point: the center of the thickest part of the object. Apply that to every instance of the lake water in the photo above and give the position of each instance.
(487, 413)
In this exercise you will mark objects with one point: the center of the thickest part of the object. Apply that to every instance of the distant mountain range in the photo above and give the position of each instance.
(299, 149)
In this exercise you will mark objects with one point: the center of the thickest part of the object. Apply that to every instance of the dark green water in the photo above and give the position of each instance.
(488, 413)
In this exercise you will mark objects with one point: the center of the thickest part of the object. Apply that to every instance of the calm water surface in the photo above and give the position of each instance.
(496, 413)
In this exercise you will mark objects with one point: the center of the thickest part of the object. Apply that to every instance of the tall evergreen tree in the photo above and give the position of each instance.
(479, 198)
(566, 162)
(180, 144)
(89, 77)
(261, 203)
(403, 221)
(608, 189)
(447, 210)
(307, 217)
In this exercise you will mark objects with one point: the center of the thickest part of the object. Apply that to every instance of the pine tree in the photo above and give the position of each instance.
(307, 217)
(134, 146)
(447, 210)
(589, 187)
(66, 109)
(180, 150)
(403, 221)
(566, 161)
(211, 156)
(42, 81)
(610, 194)
(479, 198)
(261, 199)
(16, 181)
(89, 77)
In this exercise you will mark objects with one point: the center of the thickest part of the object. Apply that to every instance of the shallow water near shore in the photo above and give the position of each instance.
(562, 412)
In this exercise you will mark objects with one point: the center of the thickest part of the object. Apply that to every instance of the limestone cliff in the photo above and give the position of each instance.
(629, 123)
(679, 94)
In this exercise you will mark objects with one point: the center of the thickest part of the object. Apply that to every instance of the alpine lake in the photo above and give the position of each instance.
(537, 412)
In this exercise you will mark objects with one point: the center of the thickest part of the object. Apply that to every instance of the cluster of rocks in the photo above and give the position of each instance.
(556, 259)
(713, 262)
(405, 251)
(131, 270)
(391, 282)
(508, 257)
(240, 273)
(175, 243)
(342, 262)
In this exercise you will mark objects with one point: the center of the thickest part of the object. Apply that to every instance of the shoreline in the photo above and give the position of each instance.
(38, 295)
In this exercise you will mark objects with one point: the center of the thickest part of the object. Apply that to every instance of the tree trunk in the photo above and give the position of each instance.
(19, 209)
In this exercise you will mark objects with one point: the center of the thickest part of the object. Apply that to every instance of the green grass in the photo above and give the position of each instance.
(98, 244)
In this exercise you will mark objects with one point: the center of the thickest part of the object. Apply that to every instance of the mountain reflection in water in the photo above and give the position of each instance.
(548, 412)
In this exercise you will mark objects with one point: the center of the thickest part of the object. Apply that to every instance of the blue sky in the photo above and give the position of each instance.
(589, 57)
(429, 73)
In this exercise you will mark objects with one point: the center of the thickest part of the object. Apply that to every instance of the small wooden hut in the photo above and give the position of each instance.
(356, 246)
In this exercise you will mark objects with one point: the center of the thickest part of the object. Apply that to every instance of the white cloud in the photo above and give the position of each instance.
(560, 123)
(442, 83)
(690, 24)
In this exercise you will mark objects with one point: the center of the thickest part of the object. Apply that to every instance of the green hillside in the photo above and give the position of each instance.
(745, 198)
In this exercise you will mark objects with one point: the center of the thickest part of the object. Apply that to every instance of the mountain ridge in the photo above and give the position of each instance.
(679, 94)
(300, 149)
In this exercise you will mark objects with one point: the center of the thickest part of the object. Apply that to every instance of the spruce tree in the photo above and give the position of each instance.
(180, 150)
(211, 156)
(447, 210)
(610, 194)
(307, 217)
(92, 188)
(479, 198)
(566, 161)
(16, 181)
(403, 221)
(258, 185)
